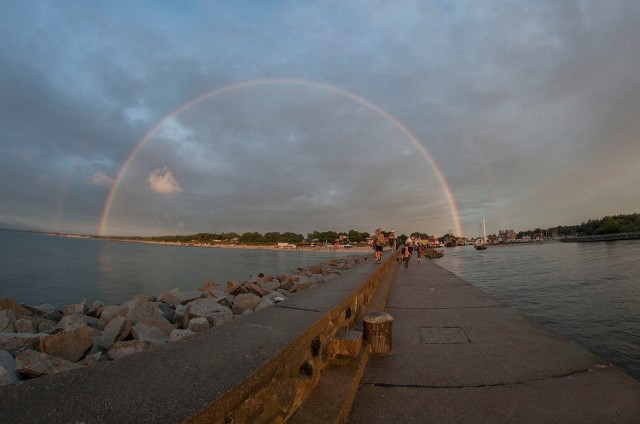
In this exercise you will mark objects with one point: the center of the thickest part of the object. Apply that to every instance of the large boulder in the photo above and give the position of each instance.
(8, 373)
(109, 312)
(149, 313)
(118, 329)
(74, 320)
(47, 327)
(45, 310)
(19, 310)
(215, 292)
(150, 334)
(176, 297)
(244, 302)
(12, 342)
(289, 281)
(31, 364)
(206, 308)
(144, 310)
(233, 288)
(7, 321)
(198, 324)
(70, 345)
(270, 299)
(270, 285)
(96, 309)
(25, 325)
(251, 287)
(316, 269)
(125, 348)
(78, 308)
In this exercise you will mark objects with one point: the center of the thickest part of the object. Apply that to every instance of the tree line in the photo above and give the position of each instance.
(272, 237)
(608, 225)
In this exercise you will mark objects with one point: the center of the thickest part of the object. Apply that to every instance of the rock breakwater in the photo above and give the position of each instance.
(42, 340)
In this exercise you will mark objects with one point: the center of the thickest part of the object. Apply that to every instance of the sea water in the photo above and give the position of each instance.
(589, 292)
(37, 268)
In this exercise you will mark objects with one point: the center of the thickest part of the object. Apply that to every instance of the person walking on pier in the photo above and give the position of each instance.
(393, 241)
(419, 249)
(406, 255)
(378, 241)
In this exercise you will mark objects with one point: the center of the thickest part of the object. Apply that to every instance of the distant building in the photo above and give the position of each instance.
(506, 236)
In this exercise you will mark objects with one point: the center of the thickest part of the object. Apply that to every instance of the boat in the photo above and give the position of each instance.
(481, 244)
(433, 253)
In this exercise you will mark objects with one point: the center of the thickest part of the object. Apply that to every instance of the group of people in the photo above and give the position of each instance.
(405, 253)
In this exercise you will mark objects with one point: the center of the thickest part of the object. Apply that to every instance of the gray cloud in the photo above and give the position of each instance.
(529, 109)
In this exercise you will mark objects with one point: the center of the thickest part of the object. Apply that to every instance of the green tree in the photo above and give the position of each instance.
(250, 237)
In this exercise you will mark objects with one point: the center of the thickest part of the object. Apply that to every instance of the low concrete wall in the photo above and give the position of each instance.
(256, 369)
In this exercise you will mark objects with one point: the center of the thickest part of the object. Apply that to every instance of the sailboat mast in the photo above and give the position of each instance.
(484, 231)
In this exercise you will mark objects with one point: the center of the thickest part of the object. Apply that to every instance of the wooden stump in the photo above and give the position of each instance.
(377, 331)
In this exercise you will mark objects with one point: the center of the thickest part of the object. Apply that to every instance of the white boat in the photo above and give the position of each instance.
(482, 244)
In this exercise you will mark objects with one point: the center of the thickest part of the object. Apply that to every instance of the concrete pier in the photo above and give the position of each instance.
(460, 356)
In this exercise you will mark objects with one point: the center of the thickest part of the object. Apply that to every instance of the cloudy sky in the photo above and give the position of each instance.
(166, 117)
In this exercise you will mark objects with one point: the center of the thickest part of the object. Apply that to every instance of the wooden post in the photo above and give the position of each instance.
(377, 331)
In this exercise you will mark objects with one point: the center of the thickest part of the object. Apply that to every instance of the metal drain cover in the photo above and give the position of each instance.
(442, 335)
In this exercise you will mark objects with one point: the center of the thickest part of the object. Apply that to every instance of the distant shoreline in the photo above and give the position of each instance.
(358, 249)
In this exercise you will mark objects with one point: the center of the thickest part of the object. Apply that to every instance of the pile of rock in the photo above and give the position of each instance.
(41, 340)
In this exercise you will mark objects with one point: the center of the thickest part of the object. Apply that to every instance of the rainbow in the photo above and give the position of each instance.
(104, 220)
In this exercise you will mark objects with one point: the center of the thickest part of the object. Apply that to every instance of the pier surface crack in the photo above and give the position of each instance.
(478, 386)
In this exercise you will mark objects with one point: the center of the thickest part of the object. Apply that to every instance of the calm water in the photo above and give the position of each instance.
(36, 268)
(590, 292)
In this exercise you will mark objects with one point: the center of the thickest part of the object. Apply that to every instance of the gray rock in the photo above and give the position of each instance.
(8, 373)
(178, 334)
(147, 333)
(31, 364)
(301, 285)
(207, 307)
(244, 302)
(78, 308)
(167, 311)
(109, 312)
(288, 282)
(12, 342)
(125, 348)
(70, 345)
(144, 310)
(215, 292)
(265, 302)
(198, 324)
(74, 320)
(46, 310)
(270, 299)
(233, 288)
(7, 321)
(25, 325)
(269, 285)
(96, 309)
(118, 329)
(47, 327)
(176, 297)
(140, 298)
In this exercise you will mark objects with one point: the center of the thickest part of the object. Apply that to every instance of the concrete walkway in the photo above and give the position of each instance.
(460, 356)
